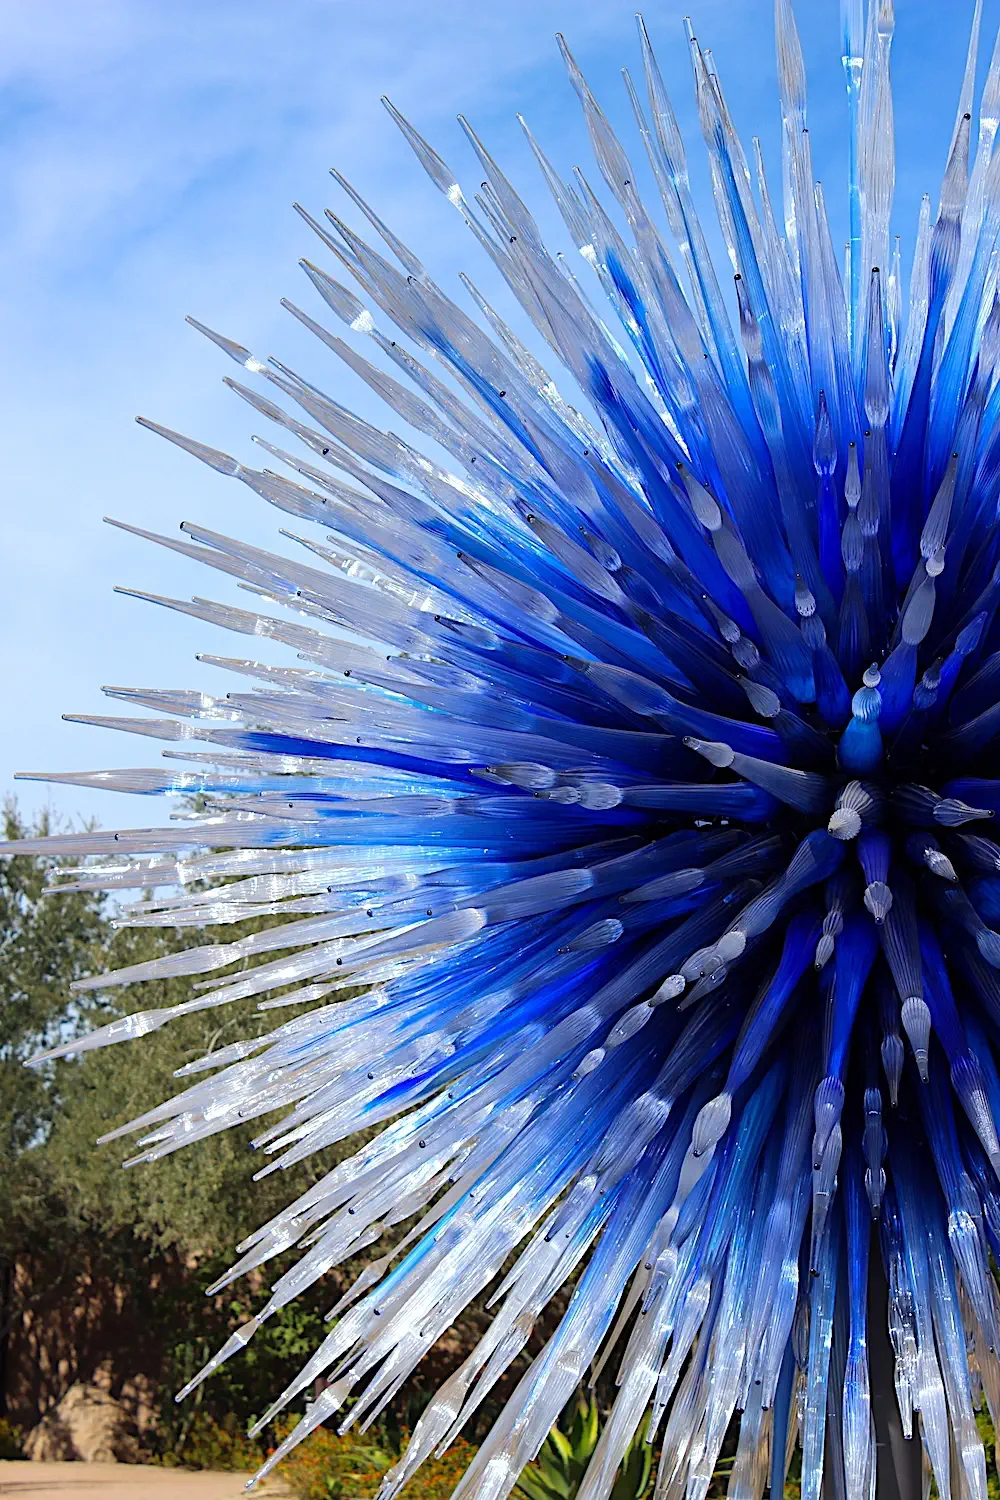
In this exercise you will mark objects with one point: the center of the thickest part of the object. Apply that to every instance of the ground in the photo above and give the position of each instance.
(30, 1481)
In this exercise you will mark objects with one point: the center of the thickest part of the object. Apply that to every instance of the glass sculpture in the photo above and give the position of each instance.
(635, 756)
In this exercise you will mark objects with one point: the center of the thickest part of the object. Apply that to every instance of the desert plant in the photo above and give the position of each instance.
(211, 1444)
(330, 1466)
(557, 1471)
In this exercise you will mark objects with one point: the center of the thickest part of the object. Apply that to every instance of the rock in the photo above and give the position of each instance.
(49, 1442)
(87, 1425)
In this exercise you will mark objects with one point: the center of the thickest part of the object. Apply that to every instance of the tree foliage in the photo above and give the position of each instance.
(45, 943)
(66, 1202)
(164, 1231)
(52, 1116)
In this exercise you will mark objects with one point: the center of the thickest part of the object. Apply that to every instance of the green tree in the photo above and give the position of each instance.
(64, 1201)
(51, 1115)
(45, 943)
(164, 1232)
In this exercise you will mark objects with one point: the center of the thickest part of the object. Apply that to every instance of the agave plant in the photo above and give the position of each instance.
(557, 1472)
(636, 756)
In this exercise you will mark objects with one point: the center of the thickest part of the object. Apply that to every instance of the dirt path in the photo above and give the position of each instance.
(27, 1481)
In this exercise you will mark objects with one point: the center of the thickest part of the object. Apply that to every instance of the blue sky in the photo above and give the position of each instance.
(149, 154)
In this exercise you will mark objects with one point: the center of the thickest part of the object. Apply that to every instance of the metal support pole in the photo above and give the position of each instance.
(898, 1471)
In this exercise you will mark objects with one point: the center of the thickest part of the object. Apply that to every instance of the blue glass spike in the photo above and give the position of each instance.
(860, 747)
(858, 1433)
(764, 1016)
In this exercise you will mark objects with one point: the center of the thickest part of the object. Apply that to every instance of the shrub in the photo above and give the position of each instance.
(329, 1467)
(10, 1440)
(210, 1444)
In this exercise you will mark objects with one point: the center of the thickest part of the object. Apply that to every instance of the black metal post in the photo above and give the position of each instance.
(898, 1471)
